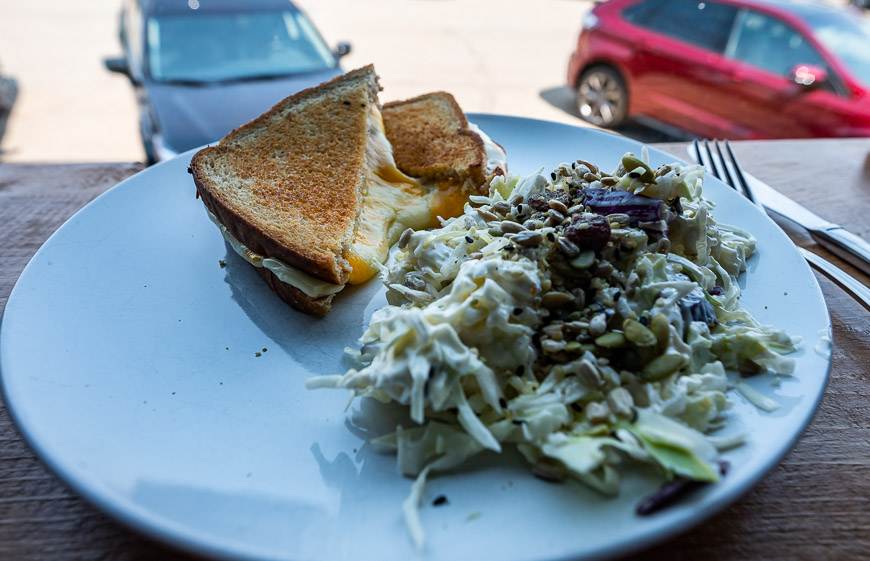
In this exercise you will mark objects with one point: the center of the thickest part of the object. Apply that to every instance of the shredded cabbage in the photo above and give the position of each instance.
(585, 346)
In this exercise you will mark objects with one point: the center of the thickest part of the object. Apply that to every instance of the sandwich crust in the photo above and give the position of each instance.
(289, 184)
(431, 139)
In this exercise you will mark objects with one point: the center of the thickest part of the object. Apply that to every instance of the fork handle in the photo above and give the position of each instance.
(845, 245)
(840, 277)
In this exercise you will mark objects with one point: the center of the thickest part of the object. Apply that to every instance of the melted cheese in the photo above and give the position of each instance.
(392, 203)
(311, 286)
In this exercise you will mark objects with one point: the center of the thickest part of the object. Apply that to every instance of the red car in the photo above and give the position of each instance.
(725, 68)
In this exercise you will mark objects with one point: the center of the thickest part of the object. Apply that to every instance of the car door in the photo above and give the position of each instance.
(679, 47)
(763, 52)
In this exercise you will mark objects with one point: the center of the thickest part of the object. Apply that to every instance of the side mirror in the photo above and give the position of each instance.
(342, 49)
(809, 76)
(117, 64)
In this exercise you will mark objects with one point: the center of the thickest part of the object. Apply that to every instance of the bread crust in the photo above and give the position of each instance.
(315, 306)
(431, 139)
(326, 220)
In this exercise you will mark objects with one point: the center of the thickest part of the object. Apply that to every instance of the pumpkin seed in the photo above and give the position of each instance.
(612, 340)
(661, 329)
(663, 366)
(638, 334)
(620, 402)
(633, 164)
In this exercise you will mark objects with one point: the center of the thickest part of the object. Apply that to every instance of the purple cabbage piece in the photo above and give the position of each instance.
(637, 207)
(694, 307)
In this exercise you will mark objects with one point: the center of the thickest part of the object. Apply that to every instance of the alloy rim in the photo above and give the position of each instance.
(599, 98)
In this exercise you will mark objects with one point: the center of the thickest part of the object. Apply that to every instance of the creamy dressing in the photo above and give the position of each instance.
(496, 157)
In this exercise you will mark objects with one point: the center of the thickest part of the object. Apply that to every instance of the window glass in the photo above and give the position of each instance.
(233, 46)
(771, 44)
(705, 24)
(848, 38)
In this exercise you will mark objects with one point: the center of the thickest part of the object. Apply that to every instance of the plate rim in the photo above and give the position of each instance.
(166, 531)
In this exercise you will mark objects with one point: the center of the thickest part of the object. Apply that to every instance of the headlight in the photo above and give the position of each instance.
(590, 20)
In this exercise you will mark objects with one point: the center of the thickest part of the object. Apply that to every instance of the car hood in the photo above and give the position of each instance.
(190, 116)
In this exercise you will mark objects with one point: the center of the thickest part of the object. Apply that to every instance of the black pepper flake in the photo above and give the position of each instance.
(518, 311)
(551, 236)
(226, 348)
(346, 102)
(519, 371)
(634, 174)
(573, 165)
(265, 349)
(617, 295)
(520, 208)
(577, 407)
(222, 263)
(517, 421)
(643, 320)
(258, 354)
(502, 402)
(553, 175)
(469, 239)
(440, 500)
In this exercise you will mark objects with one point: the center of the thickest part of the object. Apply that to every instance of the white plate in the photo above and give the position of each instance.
(128, 362)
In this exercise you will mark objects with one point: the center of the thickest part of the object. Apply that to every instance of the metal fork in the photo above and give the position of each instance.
(723, 165)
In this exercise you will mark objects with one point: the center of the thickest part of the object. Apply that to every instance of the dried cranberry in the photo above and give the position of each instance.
(591, 233)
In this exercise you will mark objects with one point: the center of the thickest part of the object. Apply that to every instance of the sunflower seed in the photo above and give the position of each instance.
(620, 402)
(558, 206)
(501, 207)
(609, 181)
(556, 298)
(509, 227)
(553, 213)
(527, 238)
(598, 325)
(597, 412)
(551, 347)
(405, 238)
(590, 166)
(568, 247)
(590, 177)
(487, 215)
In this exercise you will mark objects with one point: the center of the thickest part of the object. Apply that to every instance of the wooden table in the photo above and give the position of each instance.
(813, 506)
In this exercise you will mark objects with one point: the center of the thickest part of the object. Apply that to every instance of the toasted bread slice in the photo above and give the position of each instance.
(289, 184)
(431, 140)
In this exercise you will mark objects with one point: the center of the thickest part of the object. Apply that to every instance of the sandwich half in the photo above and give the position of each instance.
(309, 193)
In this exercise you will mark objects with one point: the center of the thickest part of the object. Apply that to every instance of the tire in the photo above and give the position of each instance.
(601, 97)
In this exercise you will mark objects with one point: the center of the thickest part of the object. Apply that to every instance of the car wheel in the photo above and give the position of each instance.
(602, 98)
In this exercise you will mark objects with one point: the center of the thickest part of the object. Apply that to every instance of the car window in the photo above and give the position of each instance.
(233, 46)
(705, 24)
(771, 44)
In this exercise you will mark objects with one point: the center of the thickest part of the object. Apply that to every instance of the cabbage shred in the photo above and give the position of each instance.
(586, 318)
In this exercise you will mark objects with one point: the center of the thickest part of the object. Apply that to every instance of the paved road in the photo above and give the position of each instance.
(493, 55)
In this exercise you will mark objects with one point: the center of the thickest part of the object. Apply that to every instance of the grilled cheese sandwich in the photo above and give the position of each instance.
(258, 185)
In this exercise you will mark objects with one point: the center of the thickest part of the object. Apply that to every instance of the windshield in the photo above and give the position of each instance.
(848, 38)
(233, 46)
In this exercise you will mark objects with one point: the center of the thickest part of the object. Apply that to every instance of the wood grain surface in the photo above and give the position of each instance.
(814, 506)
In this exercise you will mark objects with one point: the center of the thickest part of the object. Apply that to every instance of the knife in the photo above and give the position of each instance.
(835, 238)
